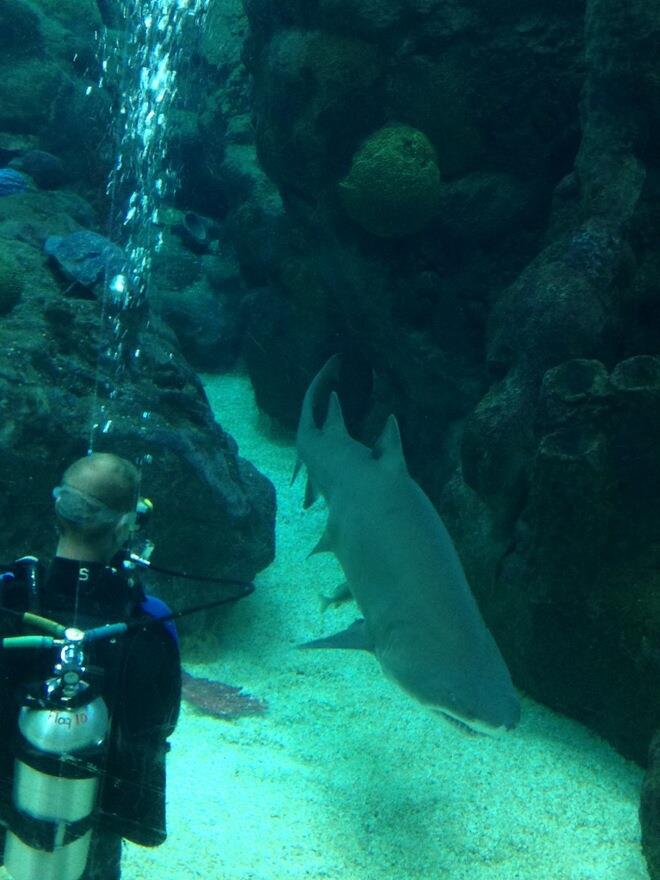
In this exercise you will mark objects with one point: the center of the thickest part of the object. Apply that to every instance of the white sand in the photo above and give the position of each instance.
(345, 778)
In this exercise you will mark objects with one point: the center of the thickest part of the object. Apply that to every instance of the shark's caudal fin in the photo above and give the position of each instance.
(317, 393)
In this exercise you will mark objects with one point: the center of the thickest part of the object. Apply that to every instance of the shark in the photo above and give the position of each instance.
(419, 617)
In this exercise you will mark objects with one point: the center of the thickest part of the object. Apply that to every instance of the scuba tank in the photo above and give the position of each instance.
(63, 725)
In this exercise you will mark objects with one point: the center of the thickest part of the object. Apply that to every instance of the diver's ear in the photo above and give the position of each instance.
(123, 528)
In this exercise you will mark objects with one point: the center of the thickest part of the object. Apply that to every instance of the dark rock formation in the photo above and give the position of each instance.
(197, 289)
(48, 70)
(582, 550)
(11, 281)
(46, 170)
(571, 485)
(60, 127)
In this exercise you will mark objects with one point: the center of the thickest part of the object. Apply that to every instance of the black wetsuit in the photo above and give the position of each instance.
(140, 683)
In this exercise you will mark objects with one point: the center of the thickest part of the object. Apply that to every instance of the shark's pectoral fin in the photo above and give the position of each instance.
(355, 638)
(296, 470)
(325, 543)
(310, 494)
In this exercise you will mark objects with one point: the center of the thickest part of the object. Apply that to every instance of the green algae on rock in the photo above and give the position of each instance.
(393, 186)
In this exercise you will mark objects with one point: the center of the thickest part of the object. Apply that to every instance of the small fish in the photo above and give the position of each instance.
(12, 182)
(85, 257)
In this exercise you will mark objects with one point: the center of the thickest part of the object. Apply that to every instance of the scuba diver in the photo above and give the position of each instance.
(65, 808)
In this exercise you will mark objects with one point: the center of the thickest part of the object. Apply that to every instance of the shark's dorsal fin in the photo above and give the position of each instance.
(388, 449)
(334, 419)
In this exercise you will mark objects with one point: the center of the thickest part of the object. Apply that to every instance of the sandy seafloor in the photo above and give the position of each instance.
(346, 778)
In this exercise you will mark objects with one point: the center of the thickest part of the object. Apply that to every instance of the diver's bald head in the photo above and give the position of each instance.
(95, 506)
(107, 478)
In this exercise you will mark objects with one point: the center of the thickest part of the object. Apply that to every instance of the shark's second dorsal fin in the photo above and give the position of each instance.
(388, 449)
(334, 419)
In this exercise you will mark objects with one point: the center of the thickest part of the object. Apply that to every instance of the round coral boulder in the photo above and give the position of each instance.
(393, 186)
